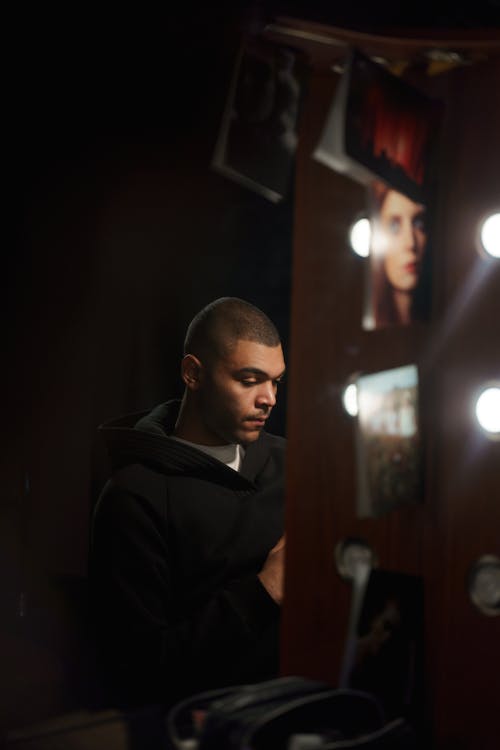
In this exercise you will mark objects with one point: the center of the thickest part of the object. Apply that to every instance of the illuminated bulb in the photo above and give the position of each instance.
(350, 399)
(359, 237)
(490, 235)
(488, 410)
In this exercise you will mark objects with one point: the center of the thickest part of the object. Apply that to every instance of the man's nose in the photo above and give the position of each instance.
(266, 395)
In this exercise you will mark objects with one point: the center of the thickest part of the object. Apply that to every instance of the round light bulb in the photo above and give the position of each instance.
(350, 399)
(488, 410)
(490, 235)
(359, 237)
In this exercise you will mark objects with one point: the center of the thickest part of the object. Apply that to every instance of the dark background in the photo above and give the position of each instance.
(121, 232)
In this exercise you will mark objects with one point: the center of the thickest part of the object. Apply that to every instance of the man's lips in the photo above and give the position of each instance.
(256, 420)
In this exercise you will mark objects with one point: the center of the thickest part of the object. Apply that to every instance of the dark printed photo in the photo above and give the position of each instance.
(391, 127)
(379, 127)
(387, 658)
(258, 136)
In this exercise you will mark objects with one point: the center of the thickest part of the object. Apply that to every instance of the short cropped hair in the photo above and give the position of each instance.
(218, 326)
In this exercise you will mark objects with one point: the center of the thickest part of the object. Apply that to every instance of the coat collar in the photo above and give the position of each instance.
(144, 438)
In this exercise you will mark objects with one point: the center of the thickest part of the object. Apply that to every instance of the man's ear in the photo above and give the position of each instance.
(191, 371)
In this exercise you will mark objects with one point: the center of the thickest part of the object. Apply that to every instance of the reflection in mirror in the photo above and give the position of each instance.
(352, 554)
(484, 585)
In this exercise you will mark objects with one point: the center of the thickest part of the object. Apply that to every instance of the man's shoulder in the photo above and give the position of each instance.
(271, 441)
(125, 492)
(264, 460)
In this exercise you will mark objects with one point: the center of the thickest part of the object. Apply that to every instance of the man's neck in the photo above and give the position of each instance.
(188, 427)
(231, 454)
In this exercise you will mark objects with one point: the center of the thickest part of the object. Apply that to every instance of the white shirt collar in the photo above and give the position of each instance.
(231, 454)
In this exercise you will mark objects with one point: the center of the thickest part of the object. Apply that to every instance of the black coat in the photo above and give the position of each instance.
(177, 541)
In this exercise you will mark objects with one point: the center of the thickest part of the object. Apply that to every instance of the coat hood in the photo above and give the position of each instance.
(145, 438)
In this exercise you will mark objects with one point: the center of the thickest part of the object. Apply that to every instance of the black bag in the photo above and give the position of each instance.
(283, 714)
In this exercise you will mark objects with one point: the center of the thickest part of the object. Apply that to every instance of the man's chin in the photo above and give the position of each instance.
(249, 434)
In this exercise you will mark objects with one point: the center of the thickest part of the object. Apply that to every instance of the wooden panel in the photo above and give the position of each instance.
(463, 516)
(460, 518)
(327, 346)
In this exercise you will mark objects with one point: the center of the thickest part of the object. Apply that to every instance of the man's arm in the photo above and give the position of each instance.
(272, 575)
(144, 635)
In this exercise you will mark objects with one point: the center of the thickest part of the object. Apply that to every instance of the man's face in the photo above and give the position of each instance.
(238, 391)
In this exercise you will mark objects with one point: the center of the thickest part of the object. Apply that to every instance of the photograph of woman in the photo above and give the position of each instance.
(398, 289)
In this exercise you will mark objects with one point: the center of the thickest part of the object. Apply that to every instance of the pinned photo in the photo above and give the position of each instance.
(258, 136)
(389, 454)
(380, 127)
(398, 268)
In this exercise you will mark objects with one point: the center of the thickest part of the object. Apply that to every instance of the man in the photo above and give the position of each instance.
(187, 551)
